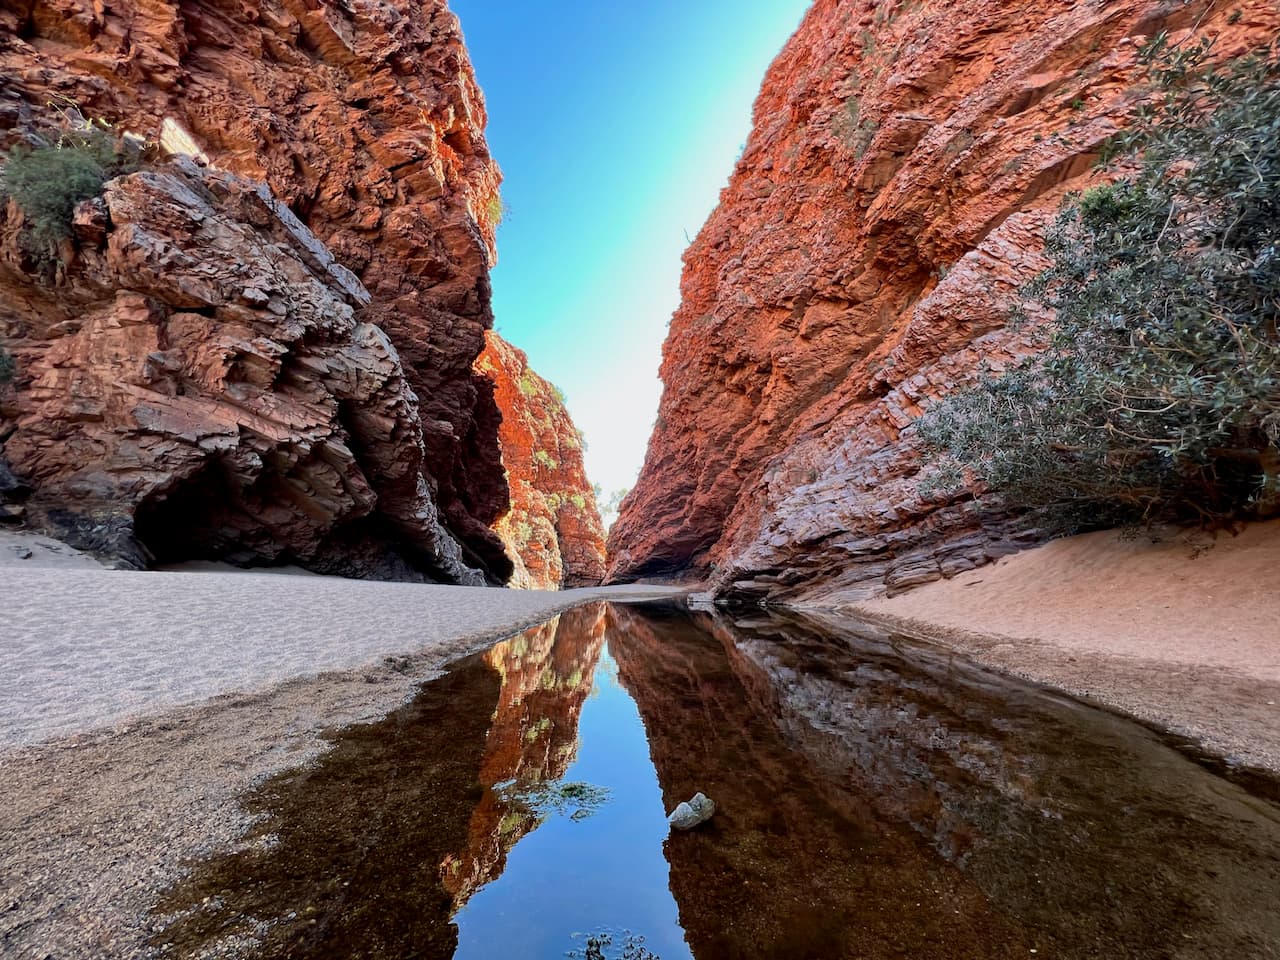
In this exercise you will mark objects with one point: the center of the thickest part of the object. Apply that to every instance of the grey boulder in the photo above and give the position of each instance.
(692, 813)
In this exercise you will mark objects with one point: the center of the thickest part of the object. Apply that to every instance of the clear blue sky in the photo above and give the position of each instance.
(615, 126)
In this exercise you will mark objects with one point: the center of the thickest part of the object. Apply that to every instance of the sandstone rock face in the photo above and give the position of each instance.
(553, 530)
(200, 383)
(366, 124)
(890, 202)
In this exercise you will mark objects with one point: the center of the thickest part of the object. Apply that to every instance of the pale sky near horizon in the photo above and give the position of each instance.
(615, 126)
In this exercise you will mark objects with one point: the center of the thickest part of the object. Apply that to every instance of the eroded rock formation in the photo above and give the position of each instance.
(890, 201)
(205, 385)
(269, 372)
(553, 530)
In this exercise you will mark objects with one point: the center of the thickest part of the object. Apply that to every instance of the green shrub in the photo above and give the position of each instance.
(1157, 393)
(856, 132)
(496, 210)
(8, 368)
(544, 459)
(48, 181)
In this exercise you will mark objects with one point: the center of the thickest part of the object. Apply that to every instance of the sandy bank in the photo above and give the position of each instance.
(135, 708)
(1183, 633)
(90, 648)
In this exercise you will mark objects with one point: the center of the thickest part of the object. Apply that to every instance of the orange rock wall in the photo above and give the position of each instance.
(891, 200)
(365, 121)
(553, 530)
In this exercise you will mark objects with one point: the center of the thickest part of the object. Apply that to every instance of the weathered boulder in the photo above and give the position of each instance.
(890, 201)
(692, 813)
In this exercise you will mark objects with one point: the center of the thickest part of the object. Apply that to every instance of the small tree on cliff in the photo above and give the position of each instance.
(1157, 394)
(50, 177)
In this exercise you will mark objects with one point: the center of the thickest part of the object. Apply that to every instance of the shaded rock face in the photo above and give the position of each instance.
(366, 124)
(553, 530)
(204, 383)
(889, 204)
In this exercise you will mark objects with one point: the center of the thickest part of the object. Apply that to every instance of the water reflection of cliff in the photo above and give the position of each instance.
(346, 858)
(533, 738)
(882, 799)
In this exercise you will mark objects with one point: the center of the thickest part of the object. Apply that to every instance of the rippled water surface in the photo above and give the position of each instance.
(876, 798)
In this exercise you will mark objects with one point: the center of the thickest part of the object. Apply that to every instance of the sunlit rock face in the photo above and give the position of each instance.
(366, 124)
(553, 530)
(890, 202)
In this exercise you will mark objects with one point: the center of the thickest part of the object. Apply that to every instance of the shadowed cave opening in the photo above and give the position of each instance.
(191, 520)
(209, 517)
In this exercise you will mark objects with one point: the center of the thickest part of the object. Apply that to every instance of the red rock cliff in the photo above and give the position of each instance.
(365, 122)
(890, 201)
(553, 530)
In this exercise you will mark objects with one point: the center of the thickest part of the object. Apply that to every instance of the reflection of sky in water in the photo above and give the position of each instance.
(606, 872)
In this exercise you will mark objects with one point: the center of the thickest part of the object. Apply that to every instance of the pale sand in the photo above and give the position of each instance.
(85, 648)
(28, 551)
(1183, 633)
(171, 694)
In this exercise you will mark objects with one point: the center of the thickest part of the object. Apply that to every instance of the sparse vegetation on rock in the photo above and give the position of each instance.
(1157, 393)
(553, 529)
(48, 179)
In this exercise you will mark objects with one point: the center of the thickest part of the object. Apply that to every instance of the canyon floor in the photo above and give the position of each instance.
(1180, 630)
(135, 708)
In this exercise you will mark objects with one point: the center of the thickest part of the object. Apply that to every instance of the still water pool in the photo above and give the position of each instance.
(877, 798)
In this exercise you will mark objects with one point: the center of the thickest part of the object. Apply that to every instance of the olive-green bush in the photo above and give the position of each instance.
(1157, 392)
(48, 180)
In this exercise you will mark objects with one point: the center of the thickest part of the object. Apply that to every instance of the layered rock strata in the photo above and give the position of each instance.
(365, 124)
(553, 529)
(890, 202)
(204, 387)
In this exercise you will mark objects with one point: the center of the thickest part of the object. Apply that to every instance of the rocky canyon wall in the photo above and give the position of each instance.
(553, 529)
(891, 200)
(266, 355)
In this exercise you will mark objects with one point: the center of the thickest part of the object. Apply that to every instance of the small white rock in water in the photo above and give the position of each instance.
(688, 815)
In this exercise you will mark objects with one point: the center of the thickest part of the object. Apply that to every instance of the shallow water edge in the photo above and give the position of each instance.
(876, 796)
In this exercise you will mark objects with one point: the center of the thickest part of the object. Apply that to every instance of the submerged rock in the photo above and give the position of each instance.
(692, 813)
